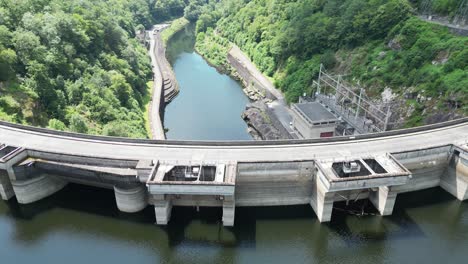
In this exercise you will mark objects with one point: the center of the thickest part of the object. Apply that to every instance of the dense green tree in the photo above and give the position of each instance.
(166, 9)
(117, 129)
(78, 124)
(7, 64)
(57, 125)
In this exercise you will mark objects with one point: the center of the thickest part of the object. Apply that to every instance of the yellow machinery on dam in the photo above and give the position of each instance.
(35, 163)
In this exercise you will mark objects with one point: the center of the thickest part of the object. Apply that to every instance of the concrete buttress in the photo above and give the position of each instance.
(6, 189)
(229, 208)
(383, 199)
(322, 201)
(455, 180)
(162, 209)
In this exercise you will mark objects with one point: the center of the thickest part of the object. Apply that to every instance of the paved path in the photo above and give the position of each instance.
(284, 115)
(57, 142)
(444, 23)
(237, 53)
(156, 124)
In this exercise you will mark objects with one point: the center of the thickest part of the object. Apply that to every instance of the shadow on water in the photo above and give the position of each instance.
(93, 210)
(187, 225)
(371, 227)
(356, 229)
(182, 42)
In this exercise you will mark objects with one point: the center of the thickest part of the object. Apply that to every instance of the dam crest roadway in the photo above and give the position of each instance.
(36, 162)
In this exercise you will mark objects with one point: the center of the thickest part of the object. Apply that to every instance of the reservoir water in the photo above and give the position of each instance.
(83, 225)
(210, 104)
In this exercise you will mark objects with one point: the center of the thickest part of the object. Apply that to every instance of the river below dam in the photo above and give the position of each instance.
(81, 224)
(210, 104)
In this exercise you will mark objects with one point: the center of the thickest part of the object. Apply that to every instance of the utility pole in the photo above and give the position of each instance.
(387, 117)
(319, 77)
(359, 104)
(337, 88)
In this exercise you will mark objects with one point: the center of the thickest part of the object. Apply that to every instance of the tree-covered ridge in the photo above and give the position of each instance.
(76, 65)
(380, 43)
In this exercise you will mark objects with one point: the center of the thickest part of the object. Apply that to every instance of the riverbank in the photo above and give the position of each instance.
(268, 116)
(174, 27)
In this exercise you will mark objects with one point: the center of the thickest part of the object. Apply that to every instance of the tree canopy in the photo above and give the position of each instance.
(76, 65)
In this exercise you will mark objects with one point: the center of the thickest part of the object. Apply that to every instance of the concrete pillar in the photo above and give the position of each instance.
(455, 179)
(35, 189)
(6, 189)
(131, 200)
(229, 209)
(162, 209)
(322, 201)
(383, 199)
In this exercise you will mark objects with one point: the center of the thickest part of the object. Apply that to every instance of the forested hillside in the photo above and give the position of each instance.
(76, 65)
(379, 43)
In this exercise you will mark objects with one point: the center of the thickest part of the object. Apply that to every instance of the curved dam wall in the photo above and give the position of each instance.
(266, 173)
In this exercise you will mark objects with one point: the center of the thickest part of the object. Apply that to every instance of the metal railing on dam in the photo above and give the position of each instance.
(37, 162)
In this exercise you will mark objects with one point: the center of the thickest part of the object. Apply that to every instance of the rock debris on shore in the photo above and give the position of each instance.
(259, 122)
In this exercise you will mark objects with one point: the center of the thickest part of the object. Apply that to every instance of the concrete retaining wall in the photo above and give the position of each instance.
(247, 78)
(427, 167)
(32, 190)
(271, 184)
(131, 200)
(459, 31)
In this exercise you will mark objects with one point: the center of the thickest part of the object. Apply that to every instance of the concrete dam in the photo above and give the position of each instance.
(36, 162)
